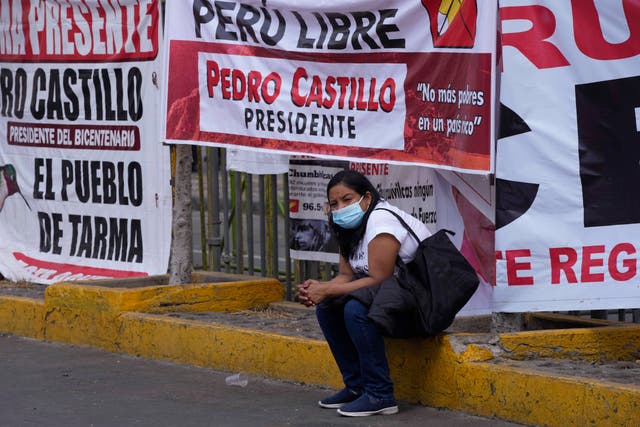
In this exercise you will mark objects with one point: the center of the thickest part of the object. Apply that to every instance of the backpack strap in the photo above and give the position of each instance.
(405, 225)
(402, 221)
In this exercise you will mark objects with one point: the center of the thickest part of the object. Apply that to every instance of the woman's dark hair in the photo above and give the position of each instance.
(348, 239)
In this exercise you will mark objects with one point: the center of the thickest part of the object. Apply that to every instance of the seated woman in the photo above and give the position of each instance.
(370, 238)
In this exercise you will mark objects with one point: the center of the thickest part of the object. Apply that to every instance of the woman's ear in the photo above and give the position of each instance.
(368, 197)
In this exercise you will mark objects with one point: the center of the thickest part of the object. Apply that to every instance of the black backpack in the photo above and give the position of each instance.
(440, 279)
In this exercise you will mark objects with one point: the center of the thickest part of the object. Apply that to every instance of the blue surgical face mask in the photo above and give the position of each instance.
(350, 216)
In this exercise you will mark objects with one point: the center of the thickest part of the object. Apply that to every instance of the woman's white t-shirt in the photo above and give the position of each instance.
(381, 221)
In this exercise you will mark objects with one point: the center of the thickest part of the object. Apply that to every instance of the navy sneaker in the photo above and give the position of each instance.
(365, 406)
(340, 398)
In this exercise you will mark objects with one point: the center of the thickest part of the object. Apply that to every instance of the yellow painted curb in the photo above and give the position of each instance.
(289, 358)
(86, 313)
(601, 344)
(220, 296)
(22, 316)
(535, 398)
(229, 348)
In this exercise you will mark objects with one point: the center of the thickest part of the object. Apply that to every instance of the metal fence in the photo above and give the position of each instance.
(241, 225)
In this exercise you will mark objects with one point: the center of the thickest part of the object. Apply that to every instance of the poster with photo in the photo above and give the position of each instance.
(409, 188)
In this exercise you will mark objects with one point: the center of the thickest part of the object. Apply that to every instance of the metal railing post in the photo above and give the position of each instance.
(226, 249)
(214, 240)
(237, 183)
(274, 226)
(287, 254)
(203, 231)
(250, 235)
(263, 226)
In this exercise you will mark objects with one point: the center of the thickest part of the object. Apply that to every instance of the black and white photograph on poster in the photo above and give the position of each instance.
(310, 236)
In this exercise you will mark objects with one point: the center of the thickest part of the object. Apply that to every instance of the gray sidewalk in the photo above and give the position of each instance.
(47, 384)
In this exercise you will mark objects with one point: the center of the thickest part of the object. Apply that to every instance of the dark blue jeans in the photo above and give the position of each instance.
(358, 348)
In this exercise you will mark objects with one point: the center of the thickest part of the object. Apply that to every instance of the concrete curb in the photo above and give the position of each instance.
(454, 371)
(603, 344)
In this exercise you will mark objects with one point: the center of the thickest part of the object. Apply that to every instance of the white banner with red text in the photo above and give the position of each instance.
(394, 81)
(568, 156)
(84, 185)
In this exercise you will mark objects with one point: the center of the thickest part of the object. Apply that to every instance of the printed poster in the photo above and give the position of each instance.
(409, 188)
(399, 82)
(84, 185)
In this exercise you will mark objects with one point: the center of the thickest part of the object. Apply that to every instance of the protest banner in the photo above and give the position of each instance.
(84, 182)
(399, 82)
(568, 215)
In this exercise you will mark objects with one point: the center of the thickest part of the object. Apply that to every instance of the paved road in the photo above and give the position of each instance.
(47, 384)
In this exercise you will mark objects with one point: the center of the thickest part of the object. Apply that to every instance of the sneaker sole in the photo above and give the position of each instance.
(331, 405)
(384, 411)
